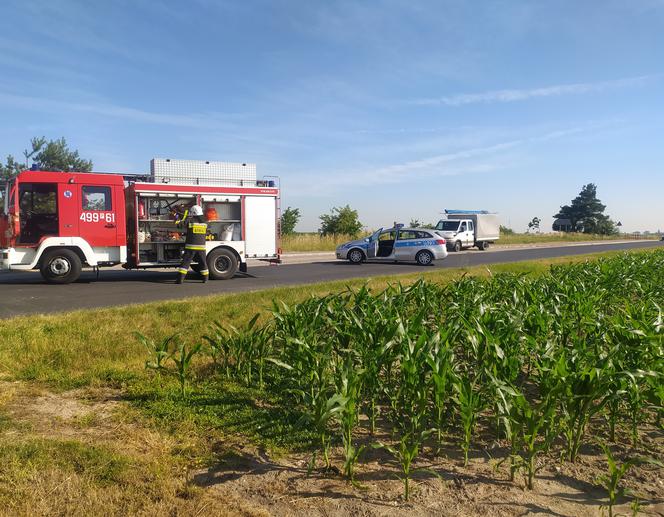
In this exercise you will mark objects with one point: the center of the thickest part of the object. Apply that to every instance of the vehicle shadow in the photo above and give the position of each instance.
(88, 277)
(346, 263)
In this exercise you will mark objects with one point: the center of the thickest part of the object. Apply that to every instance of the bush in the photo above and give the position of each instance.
(341, 220)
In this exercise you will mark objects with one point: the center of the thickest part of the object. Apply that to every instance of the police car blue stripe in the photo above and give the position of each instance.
(407, 244)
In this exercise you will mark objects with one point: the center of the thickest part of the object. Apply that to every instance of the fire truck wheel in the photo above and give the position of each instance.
(61, 266)
(222, 264)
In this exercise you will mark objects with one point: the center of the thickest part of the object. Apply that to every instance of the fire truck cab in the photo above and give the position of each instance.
(57, 222)
(60, 222)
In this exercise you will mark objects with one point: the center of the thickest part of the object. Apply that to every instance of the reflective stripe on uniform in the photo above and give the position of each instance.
(198, 228)
(205, 272)
(194, 247)
(182, 271)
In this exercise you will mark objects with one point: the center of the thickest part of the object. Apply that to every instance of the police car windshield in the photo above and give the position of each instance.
(448, 226)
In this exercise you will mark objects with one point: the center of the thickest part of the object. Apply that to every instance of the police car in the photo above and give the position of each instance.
(397, 244)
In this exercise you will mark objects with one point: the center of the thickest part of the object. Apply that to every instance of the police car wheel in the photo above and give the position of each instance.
(222, 264)
(424, 258)
(60, 266)
(355, 256)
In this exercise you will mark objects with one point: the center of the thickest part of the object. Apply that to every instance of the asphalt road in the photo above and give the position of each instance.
(26, 293)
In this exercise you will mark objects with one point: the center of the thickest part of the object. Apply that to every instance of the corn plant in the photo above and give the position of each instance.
(616, 472)
(158, 351)
(531, 427)
(380, 330)
(638, 344)
(349, 389)
(263, 344)
(220, 348)
(244, 353)
(440, 362)
(655, 397)
(469, 404)
(406, 452)
(321, 415)
(586, 390)
(309, 364)
(182, 358)
(409, 406)
(635, 394)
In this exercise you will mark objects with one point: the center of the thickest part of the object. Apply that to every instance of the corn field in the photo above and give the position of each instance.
(544, 365)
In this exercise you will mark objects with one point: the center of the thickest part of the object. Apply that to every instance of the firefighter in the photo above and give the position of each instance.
(194, 247)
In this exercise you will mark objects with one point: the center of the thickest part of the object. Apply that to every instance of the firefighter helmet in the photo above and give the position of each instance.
(196, 210)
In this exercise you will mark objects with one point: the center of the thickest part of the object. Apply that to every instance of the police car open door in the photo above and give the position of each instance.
(372, 245)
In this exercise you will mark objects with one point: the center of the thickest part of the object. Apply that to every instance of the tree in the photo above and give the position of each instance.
(289, 220)
(342, 220)
(416, 223)
(53, 155)
(504, 230)
(534, 225)
(586, 213)
(56, 156)
(9, 169)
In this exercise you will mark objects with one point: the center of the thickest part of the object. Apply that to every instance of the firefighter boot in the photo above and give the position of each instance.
(206, 276)
(180, 277)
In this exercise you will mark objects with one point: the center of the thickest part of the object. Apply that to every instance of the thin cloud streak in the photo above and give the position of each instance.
(525, 94)
(199, 121)
(439, 165)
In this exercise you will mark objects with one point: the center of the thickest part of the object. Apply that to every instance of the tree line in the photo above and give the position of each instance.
(585, 214)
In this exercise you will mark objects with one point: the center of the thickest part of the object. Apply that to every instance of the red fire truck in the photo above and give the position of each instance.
(60, 222)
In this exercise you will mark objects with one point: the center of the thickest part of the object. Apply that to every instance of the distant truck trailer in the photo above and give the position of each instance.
(467, 228)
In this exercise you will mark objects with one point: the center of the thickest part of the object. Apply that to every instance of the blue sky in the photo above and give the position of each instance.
(400, 108)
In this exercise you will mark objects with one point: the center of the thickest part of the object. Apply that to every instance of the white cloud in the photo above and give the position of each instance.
(525, 94)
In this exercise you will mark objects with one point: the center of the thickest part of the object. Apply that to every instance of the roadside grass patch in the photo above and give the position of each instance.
(60, 376)
(303, 242)
(26, 459)
(535, 238)
(46, 476)
(225, 408)
(5, 422)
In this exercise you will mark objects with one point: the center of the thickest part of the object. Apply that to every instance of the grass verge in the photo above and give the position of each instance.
(26, 458)
(303, 242)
